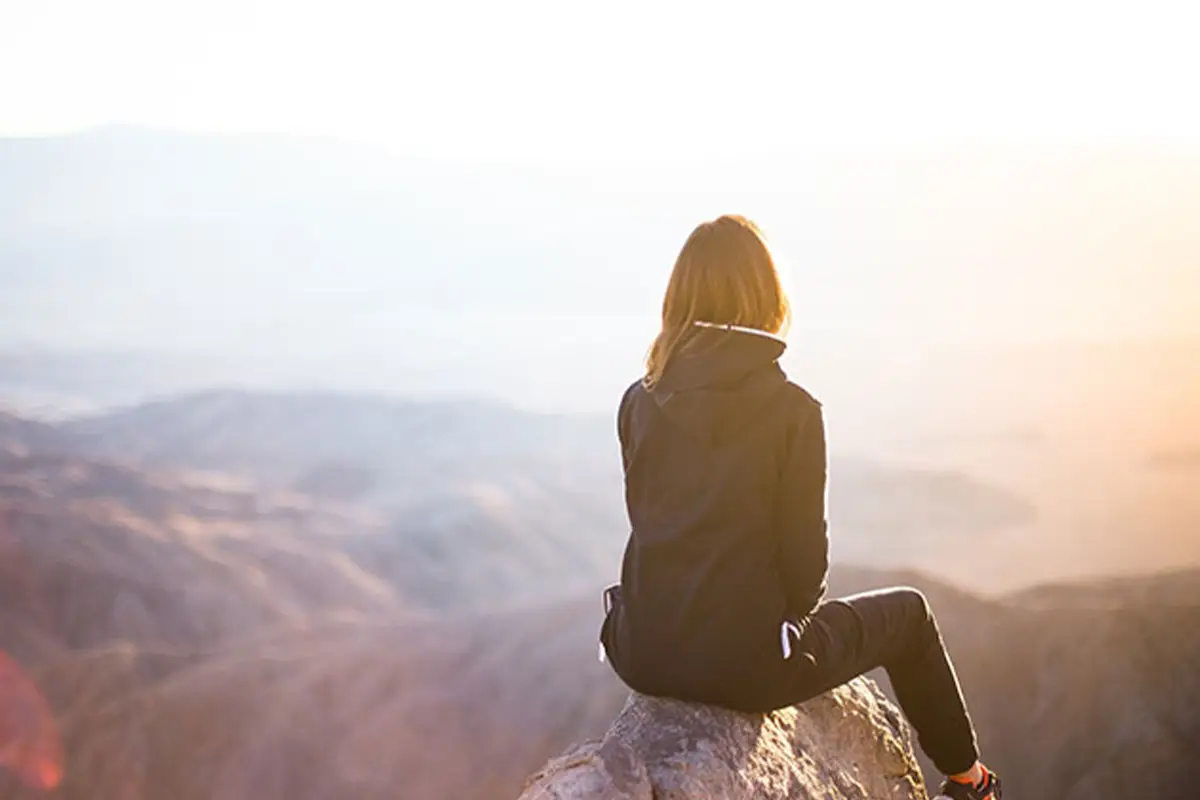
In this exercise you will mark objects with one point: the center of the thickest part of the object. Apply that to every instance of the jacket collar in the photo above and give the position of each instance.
(717, 355)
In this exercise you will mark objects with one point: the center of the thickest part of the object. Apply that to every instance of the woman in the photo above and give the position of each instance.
(721, 590)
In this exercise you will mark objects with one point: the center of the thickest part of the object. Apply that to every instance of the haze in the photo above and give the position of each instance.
(932, 177)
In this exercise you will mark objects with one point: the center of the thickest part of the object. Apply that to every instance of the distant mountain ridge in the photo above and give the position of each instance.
(485, 491)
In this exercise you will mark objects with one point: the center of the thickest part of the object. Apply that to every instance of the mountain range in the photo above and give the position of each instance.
(511, 487)
(207, 618)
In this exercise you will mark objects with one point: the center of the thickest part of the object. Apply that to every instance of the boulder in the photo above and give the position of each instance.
(848, 744)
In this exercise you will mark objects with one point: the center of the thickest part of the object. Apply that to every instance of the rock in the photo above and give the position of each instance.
(847, 744)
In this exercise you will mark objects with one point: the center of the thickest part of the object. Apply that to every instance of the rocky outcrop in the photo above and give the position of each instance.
(849, 743)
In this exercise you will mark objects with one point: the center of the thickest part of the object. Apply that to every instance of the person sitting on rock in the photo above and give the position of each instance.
(721, 598)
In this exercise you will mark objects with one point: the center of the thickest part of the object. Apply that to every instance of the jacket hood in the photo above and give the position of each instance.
(720, 379)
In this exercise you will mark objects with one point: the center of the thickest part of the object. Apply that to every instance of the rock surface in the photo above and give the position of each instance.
(847, 744)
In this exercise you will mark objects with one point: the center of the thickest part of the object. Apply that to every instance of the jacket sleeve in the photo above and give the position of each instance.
(624, 435)
(804, 547)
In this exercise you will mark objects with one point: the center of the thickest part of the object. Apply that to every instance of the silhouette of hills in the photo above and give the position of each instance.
(486, 493)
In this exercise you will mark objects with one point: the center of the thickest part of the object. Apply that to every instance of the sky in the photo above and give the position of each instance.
(947, 240)
(564, 80)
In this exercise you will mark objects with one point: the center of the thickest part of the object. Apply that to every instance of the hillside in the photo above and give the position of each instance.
(488, 493)
(185, 625)
(353, 709)
(1084, 690)
(95, 553)
(468, 707)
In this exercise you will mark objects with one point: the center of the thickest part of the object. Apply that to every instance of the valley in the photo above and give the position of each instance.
(267, 595)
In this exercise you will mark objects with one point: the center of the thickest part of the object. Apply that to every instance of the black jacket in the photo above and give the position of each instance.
(725, 475)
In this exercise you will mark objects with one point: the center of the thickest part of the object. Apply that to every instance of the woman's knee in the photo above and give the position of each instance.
(916, 604)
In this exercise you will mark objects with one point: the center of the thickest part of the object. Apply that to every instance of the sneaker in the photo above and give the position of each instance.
(956, 790)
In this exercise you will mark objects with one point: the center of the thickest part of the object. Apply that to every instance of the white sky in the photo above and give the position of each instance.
(563, 78)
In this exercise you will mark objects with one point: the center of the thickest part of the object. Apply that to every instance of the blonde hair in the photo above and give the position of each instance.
(724, 275)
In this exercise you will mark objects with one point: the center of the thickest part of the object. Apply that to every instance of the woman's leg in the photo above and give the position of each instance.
(895, 629)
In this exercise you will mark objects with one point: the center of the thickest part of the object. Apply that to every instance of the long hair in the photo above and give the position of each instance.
(724, 275)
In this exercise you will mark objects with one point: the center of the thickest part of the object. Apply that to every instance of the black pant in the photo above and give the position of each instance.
(894, 629)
